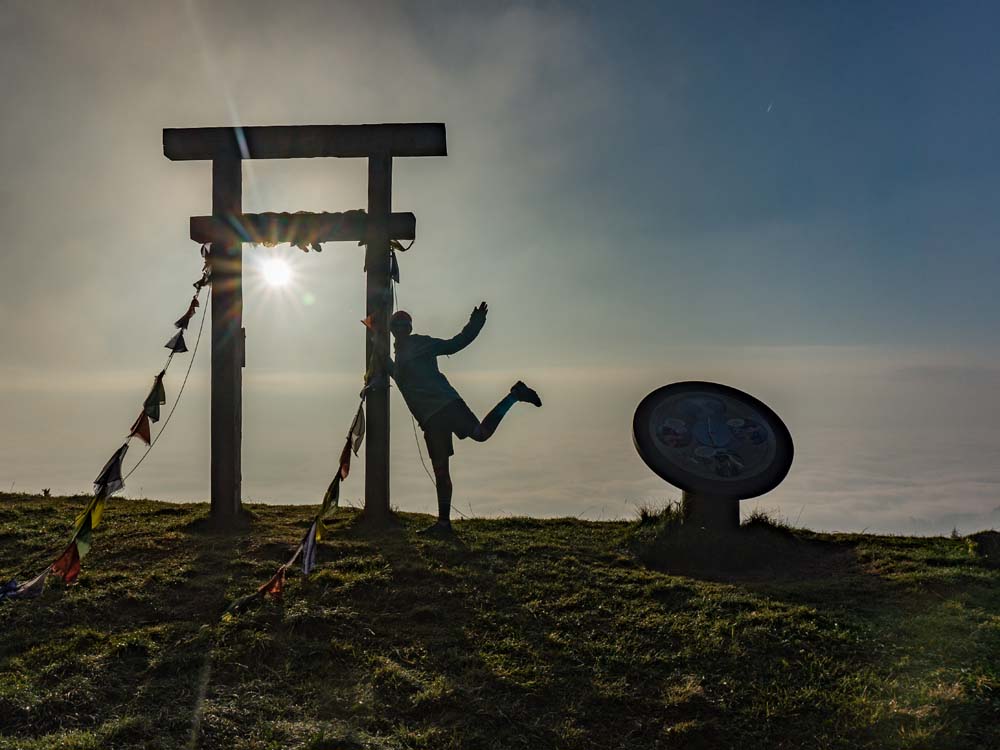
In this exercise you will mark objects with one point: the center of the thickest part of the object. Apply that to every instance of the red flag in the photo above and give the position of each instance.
(140, 428)
(276, 586)
(345, 460)
(67, 566)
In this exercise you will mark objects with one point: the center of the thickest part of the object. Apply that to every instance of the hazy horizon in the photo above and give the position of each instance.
(795, 201)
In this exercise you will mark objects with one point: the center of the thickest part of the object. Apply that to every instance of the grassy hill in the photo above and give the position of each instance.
(521, 634)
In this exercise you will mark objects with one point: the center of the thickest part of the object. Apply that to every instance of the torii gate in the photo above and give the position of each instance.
(229, 227)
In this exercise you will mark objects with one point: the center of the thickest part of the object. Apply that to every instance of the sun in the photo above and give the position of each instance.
(276, 272)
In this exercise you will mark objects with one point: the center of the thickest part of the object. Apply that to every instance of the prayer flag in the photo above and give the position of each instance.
(276, 586)
(345, 460)
(157, 395)
(140, 428)
(309, 549)
(94, 510)
(393, 267)
(183, 320)
(332, 497)
(67, 566)
(31, 589)
(358, 428)
(176, 343)
(317, 247)
(109, 481)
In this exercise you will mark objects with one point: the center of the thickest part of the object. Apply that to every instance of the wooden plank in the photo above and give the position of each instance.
(306, 141)
(378, 305)
(227, 348)
(287, 227)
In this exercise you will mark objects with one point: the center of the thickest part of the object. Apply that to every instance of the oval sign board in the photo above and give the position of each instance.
(710, 439)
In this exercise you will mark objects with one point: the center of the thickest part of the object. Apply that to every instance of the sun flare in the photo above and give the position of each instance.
(276, 272)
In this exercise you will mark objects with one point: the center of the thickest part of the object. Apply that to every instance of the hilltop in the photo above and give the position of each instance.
(522, 633)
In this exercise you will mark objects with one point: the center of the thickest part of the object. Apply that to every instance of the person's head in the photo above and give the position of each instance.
(401, 324)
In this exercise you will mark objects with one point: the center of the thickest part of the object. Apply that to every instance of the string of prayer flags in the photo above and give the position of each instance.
(140, 428)
(109, 481)
(358, 428)
(183, 320)
(176, 343)
(157, 396)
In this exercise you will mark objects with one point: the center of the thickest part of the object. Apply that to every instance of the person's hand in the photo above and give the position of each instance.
(479, 314)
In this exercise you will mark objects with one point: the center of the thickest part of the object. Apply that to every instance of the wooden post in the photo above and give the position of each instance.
(720, 514)
(226, 260)
(378, 305)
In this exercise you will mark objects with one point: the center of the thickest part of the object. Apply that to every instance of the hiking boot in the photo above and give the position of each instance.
(524, 393)
(438, 528)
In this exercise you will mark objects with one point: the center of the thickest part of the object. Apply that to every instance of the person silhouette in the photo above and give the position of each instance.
(436, 405)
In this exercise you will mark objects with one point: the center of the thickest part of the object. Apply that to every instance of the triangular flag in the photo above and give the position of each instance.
(67, 567)
(183, 320)
(320, 529)
(140, 428)
(309, 549)
(345, 460)
(358, 428)
(332, 497)
(109, 481)
(32, 588)
(393, 267)
(94, 511)
(176, 343)
(157, 395)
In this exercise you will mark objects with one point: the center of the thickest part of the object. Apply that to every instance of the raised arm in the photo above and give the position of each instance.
(466, 336)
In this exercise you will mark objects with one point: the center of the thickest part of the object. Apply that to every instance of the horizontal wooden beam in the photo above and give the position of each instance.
(306, 228)
(306, 141)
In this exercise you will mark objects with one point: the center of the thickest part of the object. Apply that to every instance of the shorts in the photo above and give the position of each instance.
(454, 419)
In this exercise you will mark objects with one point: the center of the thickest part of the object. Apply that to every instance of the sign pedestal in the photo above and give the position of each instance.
(709, 512)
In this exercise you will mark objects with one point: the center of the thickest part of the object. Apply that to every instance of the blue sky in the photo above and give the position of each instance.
(795, 199)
